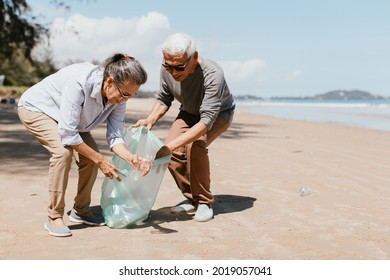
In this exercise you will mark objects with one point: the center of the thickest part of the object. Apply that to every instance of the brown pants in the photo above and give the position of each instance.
(44, 129)
(189, 164)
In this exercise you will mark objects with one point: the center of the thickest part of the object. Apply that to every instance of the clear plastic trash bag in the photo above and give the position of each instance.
(129, 202)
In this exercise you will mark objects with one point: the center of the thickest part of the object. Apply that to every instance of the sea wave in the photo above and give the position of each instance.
(331, 104)
(373, 115)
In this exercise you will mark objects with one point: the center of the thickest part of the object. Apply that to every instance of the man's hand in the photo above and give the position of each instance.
(143, 122)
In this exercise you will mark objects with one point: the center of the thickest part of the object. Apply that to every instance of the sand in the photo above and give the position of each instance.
(258, 167)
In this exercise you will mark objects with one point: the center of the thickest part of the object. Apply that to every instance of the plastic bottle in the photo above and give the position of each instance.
(141, 166)
(304, 191)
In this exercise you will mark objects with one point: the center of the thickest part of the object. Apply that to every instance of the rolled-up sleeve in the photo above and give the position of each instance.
(70, 111)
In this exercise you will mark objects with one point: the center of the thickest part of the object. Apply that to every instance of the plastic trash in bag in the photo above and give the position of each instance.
(129, 202)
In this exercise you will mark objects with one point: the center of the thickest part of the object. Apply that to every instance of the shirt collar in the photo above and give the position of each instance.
(95, 82)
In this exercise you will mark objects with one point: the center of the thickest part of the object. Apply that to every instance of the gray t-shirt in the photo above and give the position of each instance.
(204, 93)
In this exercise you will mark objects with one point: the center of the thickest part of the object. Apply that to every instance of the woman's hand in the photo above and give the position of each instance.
(136, 162)
(143, 165)
(108, 168)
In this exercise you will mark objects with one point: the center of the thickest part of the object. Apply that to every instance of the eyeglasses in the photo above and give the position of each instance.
(124, 96)
(176, 67)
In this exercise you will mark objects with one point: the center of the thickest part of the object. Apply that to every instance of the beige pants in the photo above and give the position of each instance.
(44, 129)
(190, 165)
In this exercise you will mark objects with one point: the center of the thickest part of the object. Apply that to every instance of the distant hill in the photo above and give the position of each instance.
(330, 95)
(347, 95)
(247, 97)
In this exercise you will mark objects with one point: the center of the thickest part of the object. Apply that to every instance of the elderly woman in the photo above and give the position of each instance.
(61, 110)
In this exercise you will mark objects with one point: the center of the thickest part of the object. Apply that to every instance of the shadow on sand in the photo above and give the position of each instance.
(224, 204)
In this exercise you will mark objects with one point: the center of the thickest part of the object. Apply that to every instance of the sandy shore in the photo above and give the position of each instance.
(258, 167)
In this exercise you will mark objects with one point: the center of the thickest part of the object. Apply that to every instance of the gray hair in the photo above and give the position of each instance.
(178, 44)
(123, 68)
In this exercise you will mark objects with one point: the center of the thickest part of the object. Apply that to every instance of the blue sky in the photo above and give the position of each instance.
(267, 48)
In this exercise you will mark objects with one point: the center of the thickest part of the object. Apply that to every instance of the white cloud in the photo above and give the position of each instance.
(296, 74)
(87, 39)
(80, 37)
(241, 71)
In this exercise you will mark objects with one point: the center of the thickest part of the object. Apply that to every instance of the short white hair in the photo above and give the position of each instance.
(178, 44)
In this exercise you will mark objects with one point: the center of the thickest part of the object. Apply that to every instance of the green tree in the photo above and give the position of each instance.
(18, 29)
(19, 34)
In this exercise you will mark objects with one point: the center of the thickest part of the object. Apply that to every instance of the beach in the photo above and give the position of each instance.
(257, 170)
(371, 114)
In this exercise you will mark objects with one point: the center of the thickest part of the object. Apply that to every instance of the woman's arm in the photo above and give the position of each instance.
(105, 165)
(134, 160)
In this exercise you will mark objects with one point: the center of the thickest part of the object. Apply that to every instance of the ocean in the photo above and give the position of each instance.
(366, 114)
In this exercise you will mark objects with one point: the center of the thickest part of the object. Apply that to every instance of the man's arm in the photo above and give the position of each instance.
(158, 111)
(190, 136)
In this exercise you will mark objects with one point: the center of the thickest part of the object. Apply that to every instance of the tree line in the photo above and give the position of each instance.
(20, 32)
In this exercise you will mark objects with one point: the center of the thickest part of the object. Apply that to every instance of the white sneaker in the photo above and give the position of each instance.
(204, 213)
(182, 207)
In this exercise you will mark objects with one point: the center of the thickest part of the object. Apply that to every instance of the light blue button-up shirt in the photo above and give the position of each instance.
(72, 97)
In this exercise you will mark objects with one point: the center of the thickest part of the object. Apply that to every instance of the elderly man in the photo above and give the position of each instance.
(206, 111)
